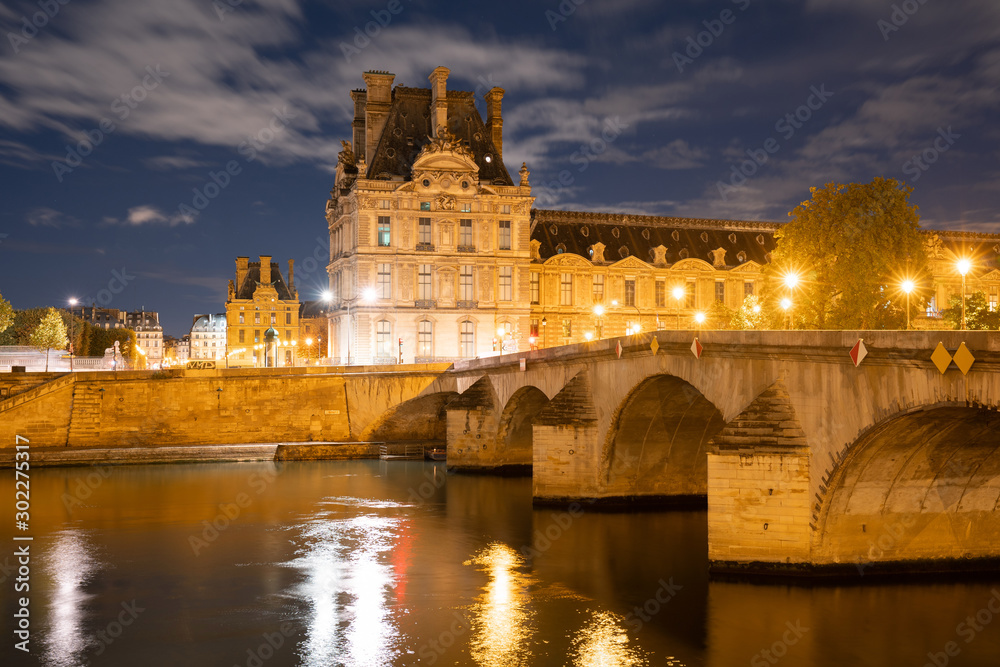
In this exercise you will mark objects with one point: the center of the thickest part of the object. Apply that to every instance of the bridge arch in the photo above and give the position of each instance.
(657, 444)
(919, 486)
(514, 433)
(420, 418)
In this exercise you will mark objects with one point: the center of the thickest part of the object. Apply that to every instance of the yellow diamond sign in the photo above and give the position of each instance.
(964, 359)
(941, 358)
(655, 345)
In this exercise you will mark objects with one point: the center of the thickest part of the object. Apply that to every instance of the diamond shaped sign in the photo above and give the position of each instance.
(964, 359)
(859, 352)
(618, 349)
(654, 345)
(941, 358)
(696, 348)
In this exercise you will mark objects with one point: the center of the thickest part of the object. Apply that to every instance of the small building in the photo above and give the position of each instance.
(148, 335)
(313, 330)
(260, 300)
(208, 337)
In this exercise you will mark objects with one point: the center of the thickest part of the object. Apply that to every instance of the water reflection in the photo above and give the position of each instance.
(502, 619)
(348, 584)
(604, 643)
(70, 566)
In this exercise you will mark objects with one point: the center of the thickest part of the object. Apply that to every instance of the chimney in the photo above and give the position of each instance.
(242, 267)
(360, 98)
(494, 118)
(265, 268)
(291, 276)
(379, 99)
(439, 98)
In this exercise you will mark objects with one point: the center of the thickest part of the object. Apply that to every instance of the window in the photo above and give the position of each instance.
(288, 318)
(256, 336)
(465, 284)
(629, 292)
(567, 326)
(506, 278)
(661, 293)
(274, 318)
(993, 299)
(385, 281)
(383, 231)
(241, 318)
(689, 295)
(242, 335)
(425, 338)
(383, 204)
(425, 206)
(598, 288)
(468, 339)
(720, 291)
(535, 287)
(566, 289)
(505, 208)
(465, 233)
(424, 231)
(424, 291)
(747, 288)
(534, 328)
(466, 207)
(288, 334)
(383, 339)
(256, 318)
(288, 357)
(503, 238)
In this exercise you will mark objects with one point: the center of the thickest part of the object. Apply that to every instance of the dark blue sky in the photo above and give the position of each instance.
(610, 104)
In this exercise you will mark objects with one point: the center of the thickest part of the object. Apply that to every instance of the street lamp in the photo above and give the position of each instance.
(72, 303)
(786, 305)
(599, 314)
(907, 287)
(963, 267)
(678, 293)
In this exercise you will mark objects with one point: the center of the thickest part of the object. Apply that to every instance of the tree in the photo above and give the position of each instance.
(99, 340)
(50, 333)
(850, 246)
(978, 315)
(750, 315)
(6, 314)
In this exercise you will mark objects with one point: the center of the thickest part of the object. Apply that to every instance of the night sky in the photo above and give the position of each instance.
(609, 102)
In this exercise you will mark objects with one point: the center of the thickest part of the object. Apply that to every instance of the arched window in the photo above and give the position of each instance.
(425, 339)
(383, 339)
(467, 339)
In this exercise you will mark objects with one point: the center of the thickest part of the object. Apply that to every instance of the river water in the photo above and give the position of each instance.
(397, 563)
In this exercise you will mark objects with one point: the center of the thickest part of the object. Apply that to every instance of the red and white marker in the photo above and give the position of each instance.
(859, 352)
(696, 348)
(618, 349)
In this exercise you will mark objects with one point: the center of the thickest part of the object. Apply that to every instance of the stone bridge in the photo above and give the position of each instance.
(808, 462)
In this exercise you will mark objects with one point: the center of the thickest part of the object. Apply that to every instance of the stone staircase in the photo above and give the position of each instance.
(85, 420)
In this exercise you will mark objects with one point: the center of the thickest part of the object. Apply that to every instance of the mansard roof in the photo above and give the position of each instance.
(252, 279)
(626, 235)
(408, 129)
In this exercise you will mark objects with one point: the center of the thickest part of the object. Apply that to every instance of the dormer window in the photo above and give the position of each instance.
(425, 205)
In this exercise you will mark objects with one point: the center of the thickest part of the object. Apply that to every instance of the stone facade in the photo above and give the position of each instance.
(262, 315)
(428, 232)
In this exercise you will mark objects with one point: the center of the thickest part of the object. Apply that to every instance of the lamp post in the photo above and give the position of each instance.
(963, 266)
(599, 324)
(786, 305)
(700, 319)
(72, 303)
(678, 293)
(907, 287)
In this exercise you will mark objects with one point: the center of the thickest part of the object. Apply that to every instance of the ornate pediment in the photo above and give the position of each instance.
(692, 264)
(748, 267)
(991, 276)
(631, 262)
(597, 250)
(445, 153)
(568, 259)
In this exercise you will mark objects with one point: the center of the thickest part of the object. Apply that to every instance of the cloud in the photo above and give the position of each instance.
(49, 217)
(167, 162)
(148, 214)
